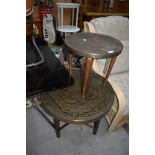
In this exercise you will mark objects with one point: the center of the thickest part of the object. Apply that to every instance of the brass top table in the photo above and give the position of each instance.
(67, 106)
(92, 46)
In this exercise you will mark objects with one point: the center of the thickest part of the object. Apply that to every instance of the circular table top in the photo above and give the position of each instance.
(68, 5)
(67, 105)
(93, 45)
(68, 28)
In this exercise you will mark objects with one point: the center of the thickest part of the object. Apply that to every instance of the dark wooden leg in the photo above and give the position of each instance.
(69, 59)
(87, 69)
(57, 127)
(96, 125)
(108, 71)
(81, 19)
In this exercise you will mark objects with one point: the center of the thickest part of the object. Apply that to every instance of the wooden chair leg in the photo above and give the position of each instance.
(57, 127)
(96, 125)
(69, 59)
(87, 69)
(112, 62)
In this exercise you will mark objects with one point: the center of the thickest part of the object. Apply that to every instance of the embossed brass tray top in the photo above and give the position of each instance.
(93, 45)
(68, 106)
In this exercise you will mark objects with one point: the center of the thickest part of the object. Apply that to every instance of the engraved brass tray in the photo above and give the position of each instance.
(67, 105)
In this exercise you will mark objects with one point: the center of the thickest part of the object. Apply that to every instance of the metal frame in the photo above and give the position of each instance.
(35, 45)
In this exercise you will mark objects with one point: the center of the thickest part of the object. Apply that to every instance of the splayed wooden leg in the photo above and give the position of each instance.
(87, 70)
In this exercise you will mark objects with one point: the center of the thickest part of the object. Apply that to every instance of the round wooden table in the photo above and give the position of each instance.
(92, 46)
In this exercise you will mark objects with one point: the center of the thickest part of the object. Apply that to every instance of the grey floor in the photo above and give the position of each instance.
(74, 140)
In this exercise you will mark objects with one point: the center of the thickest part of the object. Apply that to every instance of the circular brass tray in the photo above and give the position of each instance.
(67, 105)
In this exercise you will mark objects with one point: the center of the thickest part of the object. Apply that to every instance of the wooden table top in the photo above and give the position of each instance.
(93, 45)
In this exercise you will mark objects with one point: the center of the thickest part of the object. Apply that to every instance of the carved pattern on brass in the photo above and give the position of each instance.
(67, 104)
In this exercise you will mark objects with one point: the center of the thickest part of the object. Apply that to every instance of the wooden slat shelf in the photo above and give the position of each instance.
(105, 14)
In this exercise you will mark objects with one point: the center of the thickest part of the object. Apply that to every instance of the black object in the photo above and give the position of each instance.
(50, 75)
(59, 39)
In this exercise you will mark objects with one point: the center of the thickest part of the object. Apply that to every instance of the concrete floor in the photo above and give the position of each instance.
(74, 140)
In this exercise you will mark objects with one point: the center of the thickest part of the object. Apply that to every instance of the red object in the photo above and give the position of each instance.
(43, 12)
